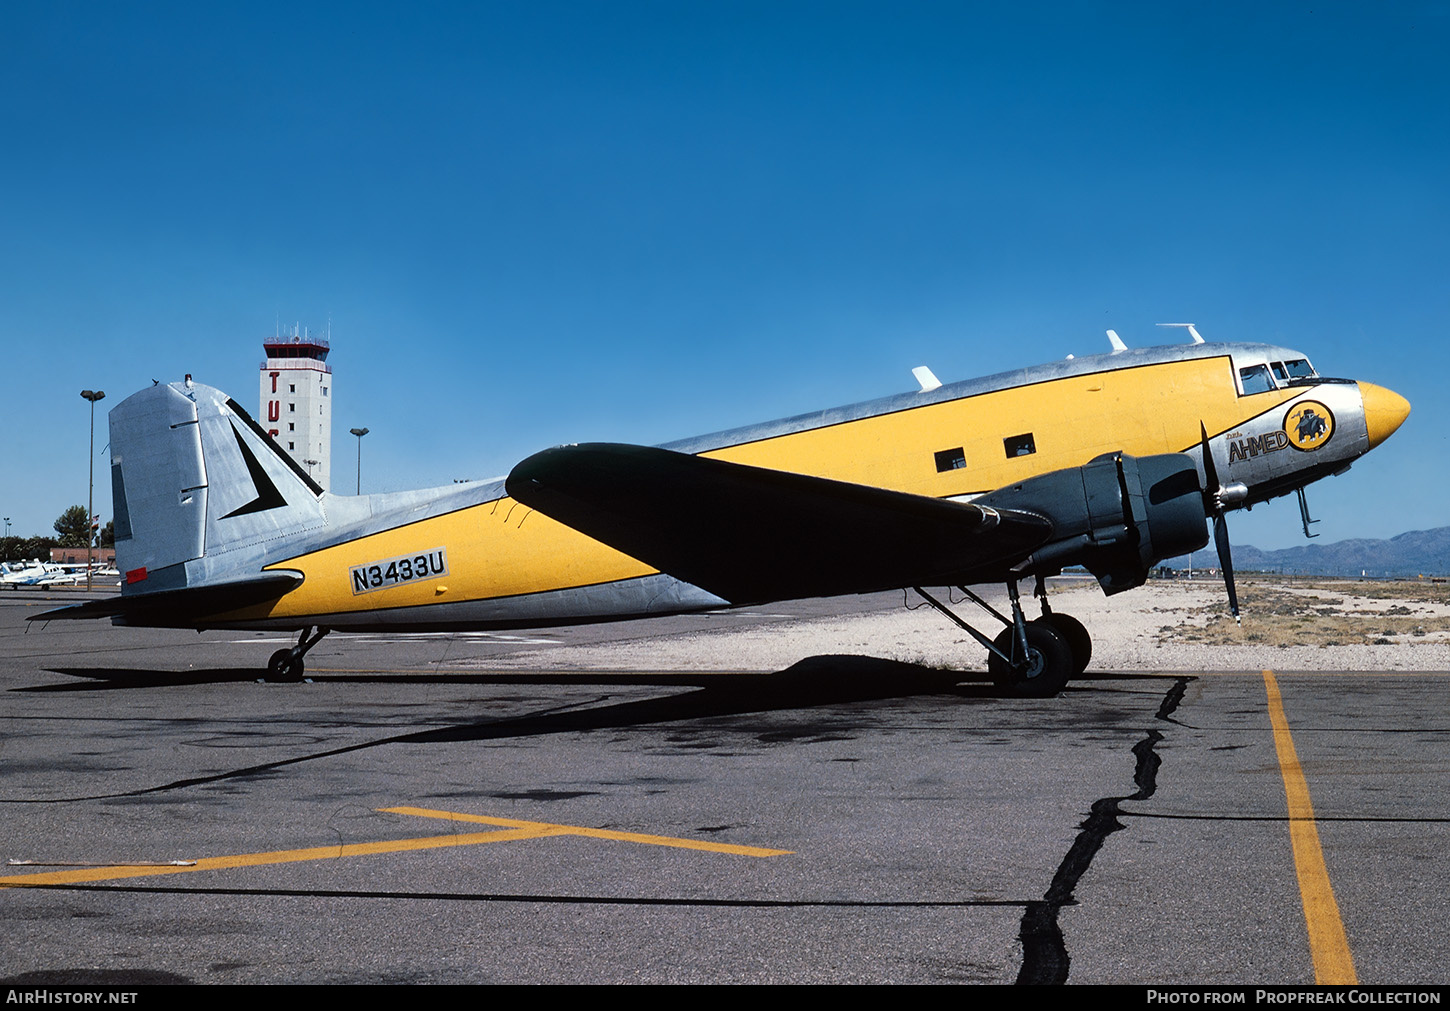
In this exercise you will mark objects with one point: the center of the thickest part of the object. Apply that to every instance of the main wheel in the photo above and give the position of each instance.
(1039, 675)
(1075, 634)
(284, 666)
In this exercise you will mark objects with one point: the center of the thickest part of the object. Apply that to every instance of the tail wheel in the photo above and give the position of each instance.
(287, 664)
(1075, 634)
(1042, 673)
(284, 666)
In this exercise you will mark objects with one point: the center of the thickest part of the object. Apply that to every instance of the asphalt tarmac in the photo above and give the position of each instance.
(412, 815)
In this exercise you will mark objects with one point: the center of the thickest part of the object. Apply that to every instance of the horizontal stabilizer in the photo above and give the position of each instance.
(181, 608)
(751, 535)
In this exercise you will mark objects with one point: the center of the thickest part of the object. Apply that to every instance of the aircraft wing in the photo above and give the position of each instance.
(750, 535)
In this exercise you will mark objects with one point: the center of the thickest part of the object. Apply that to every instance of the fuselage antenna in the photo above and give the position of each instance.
(1189, 327)
(926, 379)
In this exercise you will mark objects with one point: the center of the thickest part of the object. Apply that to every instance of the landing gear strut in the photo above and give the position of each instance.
(1033, 659)
(286, 664)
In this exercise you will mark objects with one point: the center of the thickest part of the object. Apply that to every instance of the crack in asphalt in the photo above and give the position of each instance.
(1045, 960)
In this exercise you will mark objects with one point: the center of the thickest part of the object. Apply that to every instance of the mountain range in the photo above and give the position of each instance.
(1416, 552)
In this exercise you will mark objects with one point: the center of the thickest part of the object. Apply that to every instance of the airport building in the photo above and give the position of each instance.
(77, 556)
(296, 401)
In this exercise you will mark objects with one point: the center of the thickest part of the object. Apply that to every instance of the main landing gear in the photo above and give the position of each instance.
(286, 664)
(1033, 659)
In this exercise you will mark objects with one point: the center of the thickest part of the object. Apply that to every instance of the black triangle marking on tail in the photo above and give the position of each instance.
(271, 443)
(268, 497)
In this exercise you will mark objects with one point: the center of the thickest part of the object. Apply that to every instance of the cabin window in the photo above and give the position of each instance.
(1019, 445)
(290, 446)
(291, 426)
(292, 407)
(950, 459)
(1256, 379)
(292, 388)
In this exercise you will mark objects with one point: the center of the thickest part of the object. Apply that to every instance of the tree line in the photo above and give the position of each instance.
(72, 530)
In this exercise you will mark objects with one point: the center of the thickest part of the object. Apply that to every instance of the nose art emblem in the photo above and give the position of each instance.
(1309, 425)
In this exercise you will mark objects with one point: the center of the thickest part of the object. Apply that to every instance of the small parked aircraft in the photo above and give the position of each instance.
(1112, 462)
(35, 573)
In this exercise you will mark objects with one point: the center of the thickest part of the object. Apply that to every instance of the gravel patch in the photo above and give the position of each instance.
(1128, 635)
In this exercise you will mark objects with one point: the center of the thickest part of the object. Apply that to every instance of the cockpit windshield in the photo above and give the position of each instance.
(1255, 379)
(1261, 378)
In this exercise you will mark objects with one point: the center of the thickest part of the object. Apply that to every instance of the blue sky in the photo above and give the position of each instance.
(533, 223)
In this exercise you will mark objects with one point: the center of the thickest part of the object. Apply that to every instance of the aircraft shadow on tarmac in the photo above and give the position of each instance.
(824, 678)
(816, 681)
(99, 679)
(828, 678)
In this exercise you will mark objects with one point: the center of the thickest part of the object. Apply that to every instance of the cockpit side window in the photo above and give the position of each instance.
(1255, 379)
(1280, 373)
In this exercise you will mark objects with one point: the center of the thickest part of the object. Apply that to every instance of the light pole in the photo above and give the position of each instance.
(7, 539)
(359, 432)
(92, 396)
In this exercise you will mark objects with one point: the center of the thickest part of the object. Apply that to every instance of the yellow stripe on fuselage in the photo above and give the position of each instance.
(1141, 411)
(498, 549)
(502, 549)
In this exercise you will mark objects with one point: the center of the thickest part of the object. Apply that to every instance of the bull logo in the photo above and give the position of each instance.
(1309, 425)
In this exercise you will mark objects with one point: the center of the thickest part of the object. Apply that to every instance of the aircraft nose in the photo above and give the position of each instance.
(1384, 411)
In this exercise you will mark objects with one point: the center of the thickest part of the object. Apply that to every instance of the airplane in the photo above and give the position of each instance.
(19, 574)
(35, 573)
(66, 576)
(45, 574)
(73, 574)
(1111, 462)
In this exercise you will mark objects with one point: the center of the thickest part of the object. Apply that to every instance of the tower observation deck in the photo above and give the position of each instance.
(296, 401)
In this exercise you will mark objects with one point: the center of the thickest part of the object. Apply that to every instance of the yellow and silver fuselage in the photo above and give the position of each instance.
(471, 557)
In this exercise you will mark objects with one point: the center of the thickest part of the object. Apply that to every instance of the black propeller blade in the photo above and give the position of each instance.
(1225, 561)
(1212, 488)
(1210, 469)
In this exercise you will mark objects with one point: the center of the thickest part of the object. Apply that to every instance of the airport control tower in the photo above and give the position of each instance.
(296, 404)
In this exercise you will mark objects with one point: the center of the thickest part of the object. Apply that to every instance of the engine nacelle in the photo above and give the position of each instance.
(1118, 516)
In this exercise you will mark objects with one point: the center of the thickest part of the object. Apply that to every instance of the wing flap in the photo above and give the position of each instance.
(749, 535)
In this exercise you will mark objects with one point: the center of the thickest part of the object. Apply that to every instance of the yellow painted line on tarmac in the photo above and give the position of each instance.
(511, 831)
(1333, 964)
(545, 828)
(71, 877)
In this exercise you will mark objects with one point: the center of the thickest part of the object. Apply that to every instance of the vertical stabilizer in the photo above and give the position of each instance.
(199, 489)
